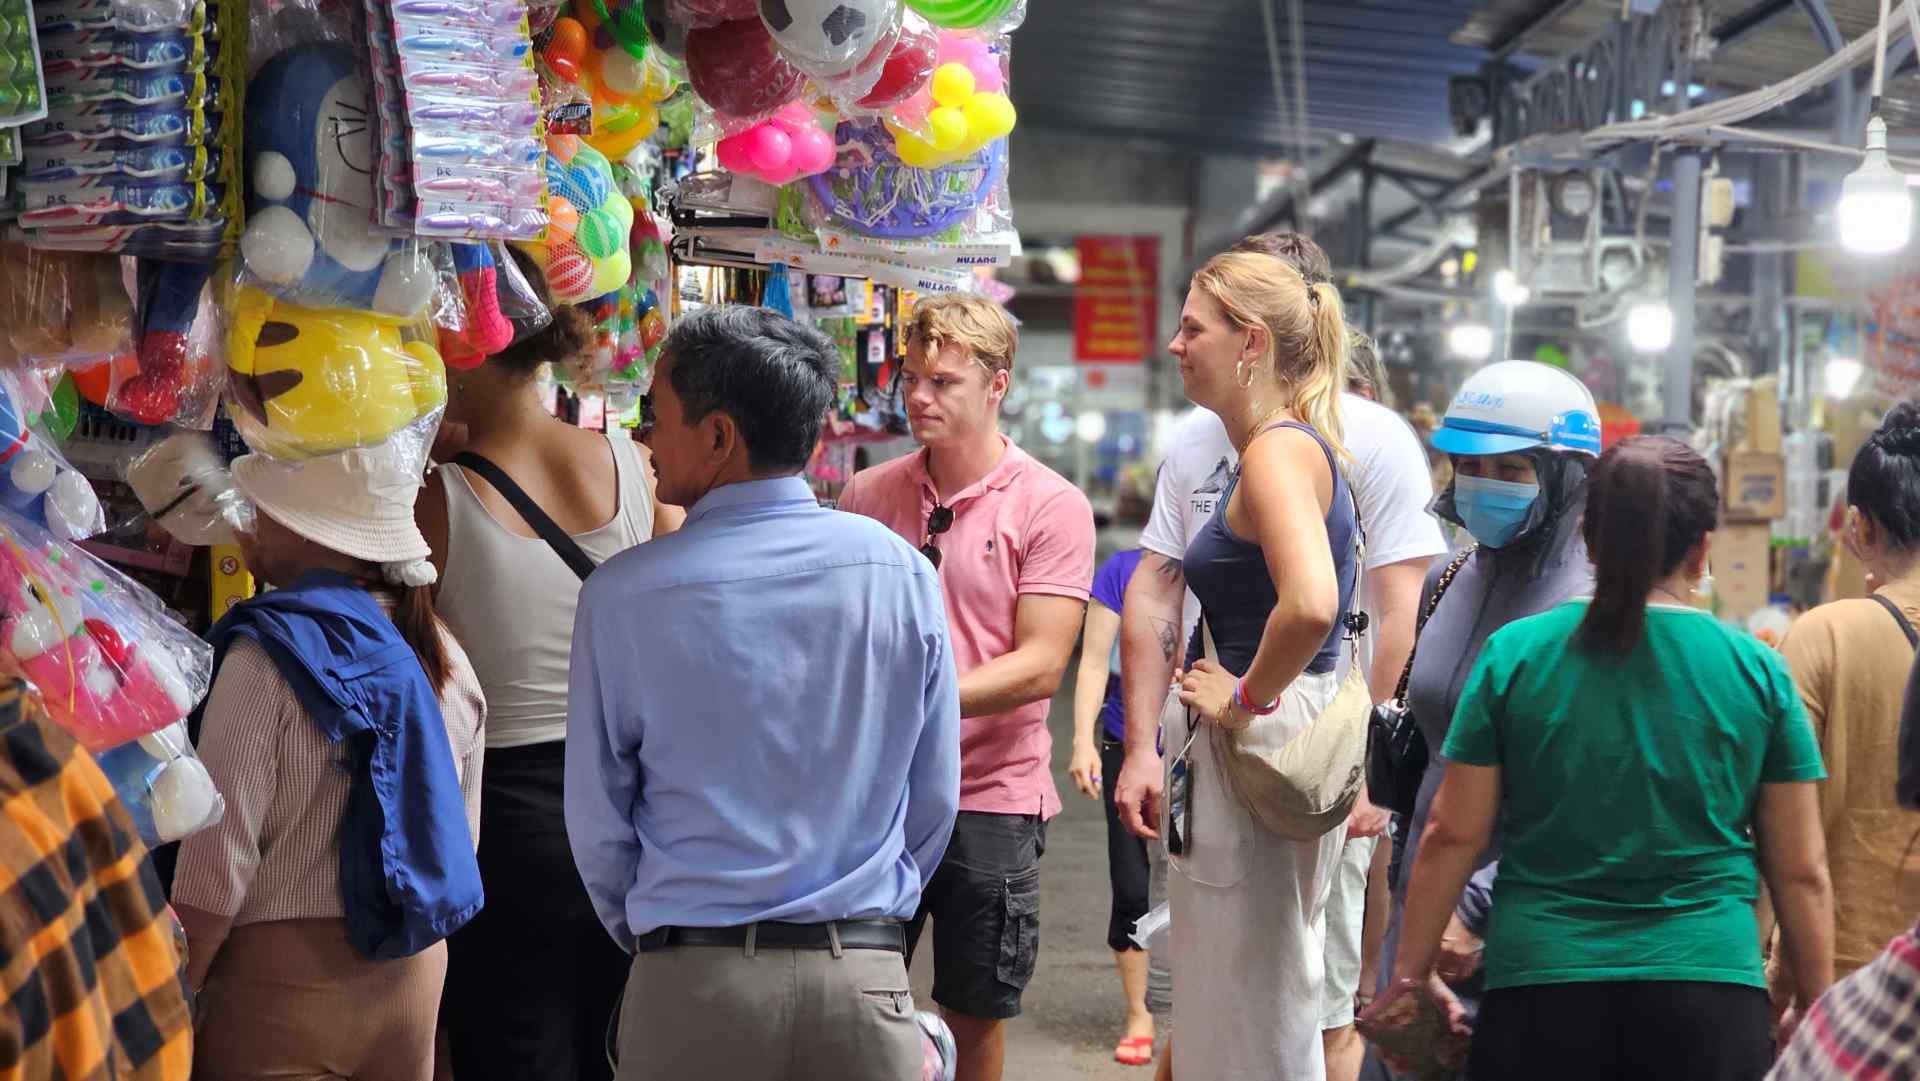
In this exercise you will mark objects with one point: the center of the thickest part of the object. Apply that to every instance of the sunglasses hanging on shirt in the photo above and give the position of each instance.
(938, 522)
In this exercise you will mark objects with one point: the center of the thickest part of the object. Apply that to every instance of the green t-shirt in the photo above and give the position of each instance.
(1628, 787)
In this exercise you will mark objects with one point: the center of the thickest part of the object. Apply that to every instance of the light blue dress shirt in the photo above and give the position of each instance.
(763, 721)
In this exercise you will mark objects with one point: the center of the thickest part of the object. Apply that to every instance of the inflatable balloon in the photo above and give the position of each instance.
(738, 72)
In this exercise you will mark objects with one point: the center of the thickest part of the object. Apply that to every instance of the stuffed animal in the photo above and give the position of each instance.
(105, 677)
(174, 375)
(309, 237)
(38, 484)
(166, 788)
(307, 382)
(188, 490)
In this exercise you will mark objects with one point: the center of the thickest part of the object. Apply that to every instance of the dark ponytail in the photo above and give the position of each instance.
(1884, 481)
(420, 625)
(1650, 501)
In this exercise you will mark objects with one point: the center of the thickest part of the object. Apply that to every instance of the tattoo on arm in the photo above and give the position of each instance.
(1169, 636)
(1170, 569)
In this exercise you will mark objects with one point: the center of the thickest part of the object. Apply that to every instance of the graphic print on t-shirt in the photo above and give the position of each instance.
(1205, 497)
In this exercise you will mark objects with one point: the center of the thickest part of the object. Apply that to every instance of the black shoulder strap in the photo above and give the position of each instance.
(1913, 637)
(1433, 604)
(557, 539)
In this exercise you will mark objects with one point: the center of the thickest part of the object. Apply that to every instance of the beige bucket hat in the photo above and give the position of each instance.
(357, 502)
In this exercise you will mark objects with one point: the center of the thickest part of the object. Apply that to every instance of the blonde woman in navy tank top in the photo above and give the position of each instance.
(1275, 573)
(532, 981)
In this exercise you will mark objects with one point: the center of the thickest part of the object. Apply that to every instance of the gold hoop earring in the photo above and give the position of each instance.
(1243, 374)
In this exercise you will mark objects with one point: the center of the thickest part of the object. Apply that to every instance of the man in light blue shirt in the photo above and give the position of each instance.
(763, 736)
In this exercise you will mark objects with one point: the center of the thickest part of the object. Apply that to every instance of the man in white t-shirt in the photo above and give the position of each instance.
(1391, 483)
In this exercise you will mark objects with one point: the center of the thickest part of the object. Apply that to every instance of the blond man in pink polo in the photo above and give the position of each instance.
(1013, 541)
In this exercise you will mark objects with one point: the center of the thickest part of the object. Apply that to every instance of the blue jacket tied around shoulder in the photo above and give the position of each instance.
(408, 875)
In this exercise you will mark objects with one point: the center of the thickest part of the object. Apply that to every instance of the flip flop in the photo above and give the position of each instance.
(1134, 1051)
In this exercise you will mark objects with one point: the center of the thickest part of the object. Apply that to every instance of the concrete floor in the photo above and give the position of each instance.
(1073, 1009)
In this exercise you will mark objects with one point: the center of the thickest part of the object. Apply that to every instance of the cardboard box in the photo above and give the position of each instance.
(1763, 416)
(1753, 486)
(1742, 561)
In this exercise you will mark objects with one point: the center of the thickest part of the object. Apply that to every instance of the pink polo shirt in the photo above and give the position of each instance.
(1021, 529)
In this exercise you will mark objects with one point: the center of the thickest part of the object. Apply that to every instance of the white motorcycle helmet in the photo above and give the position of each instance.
(1519, 405)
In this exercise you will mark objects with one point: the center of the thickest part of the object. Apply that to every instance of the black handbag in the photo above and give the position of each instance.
(1396, 749)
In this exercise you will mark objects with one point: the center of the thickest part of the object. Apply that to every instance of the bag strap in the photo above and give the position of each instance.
(1433, 605)
(1913, 636)
(564, 546)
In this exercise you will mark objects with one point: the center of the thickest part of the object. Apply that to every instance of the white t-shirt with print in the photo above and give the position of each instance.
(1387, 469)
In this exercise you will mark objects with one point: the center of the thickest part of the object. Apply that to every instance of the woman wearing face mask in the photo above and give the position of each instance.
(1522, 437)
(1850, 660)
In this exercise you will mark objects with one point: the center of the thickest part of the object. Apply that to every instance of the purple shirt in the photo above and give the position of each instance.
(1110, 590)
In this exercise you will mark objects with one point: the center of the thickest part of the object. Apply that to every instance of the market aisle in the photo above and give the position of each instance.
(1073, 1009)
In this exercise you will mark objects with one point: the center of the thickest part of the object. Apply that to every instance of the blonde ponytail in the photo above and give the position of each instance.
(1305, 323)
(1317, 389)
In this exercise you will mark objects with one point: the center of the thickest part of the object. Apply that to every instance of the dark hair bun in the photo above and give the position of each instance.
(1899, 431)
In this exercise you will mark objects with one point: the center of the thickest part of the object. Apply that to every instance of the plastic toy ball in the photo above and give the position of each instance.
(909, 65)
(813, 151)
(948, 126)
(770, 148)
(961, 14)
(736, 70)
(989, 116)
(567, 49)
(734, 154)
(952, 85)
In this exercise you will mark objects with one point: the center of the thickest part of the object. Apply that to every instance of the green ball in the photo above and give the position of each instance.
(599, 234)
(961, 14)
(64, 414)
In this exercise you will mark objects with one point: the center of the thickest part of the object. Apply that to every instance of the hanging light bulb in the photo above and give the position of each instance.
(1470, 341)
(1650, 326)
(1875, 211)
(1843, 377)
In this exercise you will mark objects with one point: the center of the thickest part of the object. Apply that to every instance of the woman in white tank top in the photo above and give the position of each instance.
(532, 981)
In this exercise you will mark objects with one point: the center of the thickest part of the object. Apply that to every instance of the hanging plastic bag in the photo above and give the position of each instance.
(61, 307)
(108, 660)
(36, 481)
(164, 785)
(188, 491)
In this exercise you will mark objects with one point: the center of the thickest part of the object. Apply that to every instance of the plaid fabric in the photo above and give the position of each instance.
(1867, 1026)
(88, 956)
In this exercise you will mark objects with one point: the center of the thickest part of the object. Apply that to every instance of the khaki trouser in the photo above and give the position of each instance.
(703, 1013)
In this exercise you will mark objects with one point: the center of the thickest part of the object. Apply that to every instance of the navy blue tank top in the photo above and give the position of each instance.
(1236, 593)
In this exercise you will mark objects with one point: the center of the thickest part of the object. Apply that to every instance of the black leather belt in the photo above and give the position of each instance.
(887, 935)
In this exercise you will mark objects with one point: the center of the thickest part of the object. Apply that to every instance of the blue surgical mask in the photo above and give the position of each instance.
(1494, 511)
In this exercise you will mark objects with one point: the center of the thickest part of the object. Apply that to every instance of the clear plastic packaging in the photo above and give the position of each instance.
(188, 491)
(61, 307)
(108, 660)
(306, 382)
(310, 238)
(738, 71)
(584, 253)
(829, 37)
(483, 331)
(36, 481)
(164, 785)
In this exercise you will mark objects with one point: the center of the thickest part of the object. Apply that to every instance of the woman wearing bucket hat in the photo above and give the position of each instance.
(533, 980)
(1522, 437)
(344, 729)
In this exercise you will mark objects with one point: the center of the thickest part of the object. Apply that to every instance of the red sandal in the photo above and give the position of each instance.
(1134, 1051)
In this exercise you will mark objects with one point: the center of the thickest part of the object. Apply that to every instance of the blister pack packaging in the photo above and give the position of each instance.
(23, 88)
(108, 660)
(472, 117)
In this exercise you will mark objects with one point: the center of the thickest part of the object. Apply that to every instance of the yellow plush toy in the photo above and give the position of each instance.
(308, 382)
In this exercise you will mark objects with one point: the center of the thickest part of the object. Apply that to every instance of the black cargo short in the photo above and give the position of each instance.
(985, 904)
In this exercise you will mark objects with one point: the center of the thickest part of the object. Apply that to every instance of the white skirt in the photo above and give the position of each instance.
(1248, 963)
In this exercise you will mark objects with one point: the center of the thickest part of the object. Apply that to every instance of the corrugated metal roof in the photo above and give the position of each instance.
(1195, 72)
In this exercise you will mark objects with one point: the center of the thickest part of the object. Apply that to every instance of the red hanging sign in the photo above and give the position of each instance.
(1116, 306)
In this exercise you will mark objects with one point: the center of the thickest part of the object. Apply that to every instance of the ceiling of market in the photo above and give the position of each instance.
(1196, 73)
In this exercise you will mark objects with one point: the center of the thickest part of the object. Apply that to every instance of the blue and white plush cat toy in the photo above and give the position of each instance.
(310, 238)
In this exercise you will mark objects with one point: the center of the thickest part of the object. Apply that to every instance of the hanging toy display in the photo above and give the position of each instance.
(37, 483)
(585, 253)
(828, 36)
(965, 107)
(889, 197)
(487, 331)
(739, 72)
(164, 785)
(781, 149)
(908, 67)
(625, 89)
(968, 14)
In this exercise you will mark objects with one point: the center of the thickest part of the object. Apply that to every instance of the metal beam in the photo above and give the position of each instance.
(1742, 23)
(1517, 40)
(1683, 265)
(1282, 203)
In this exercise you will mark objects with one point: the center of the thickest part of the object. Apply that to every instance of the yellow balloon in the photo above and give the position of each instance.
(948, 126)
(952, 85)
(989, 116)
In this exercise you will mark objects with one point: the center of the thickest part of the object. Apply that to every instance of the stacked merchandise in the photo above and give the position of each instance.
(23, 90)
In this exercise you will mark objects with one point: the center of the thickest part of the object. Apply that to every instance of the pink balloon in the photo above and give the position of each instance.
(986, 73)
(770, 148)
(735, 155)
(813, 151)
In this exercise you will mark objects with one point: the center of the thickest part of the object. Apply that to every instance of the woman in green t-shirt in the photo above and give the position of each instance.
(1649, 766)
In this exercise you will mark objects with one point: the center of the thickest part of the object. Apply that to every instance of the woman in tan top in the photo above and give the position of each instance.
(282, 991)
(1850, 660)
(532, 981)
